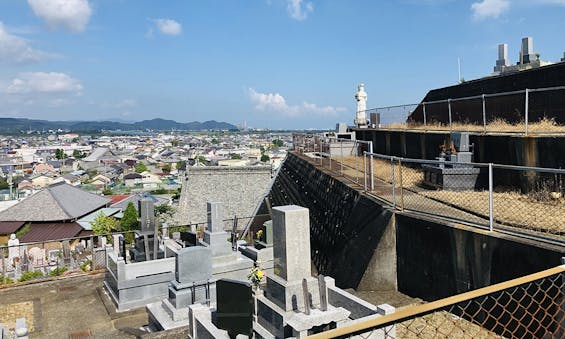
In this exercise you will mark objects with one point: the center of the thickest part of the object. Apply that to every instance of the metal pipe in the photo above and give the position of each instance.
(365, 171)
(341, 151)
(490, 199)
(356, 162)
(401, 186)
(526, 110)
(425, 119)
(449, 108)
(393, 180)
(371, 167)
(484, 114)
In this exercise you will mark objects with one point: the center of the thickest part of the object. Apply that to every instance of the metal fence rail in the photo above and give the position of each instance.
(528, 307)
(76, 255)
(521, 108)
(523, 201)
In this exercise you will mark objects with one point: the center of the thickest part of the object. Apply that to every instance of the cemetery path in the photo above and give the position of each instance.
(71, 306)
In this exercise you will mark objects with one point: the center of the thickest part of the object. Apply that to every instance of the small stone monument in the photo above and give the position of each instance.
(215, 237)
(267, 237)
(193, 284)
(144, 247)
(13, 249)
(361, 98)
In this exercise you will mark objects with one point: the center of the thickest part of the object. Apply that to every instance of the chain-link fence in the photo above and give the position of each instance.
(528, 111)
(529, 307)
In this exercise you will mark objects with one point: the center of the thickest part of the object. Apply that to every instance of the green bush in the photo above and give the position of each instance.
(58, 271)
(5, 280)
(30, 275)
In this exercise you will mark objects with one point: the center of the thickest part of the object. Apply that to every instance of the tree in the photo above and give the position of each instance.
(167, 168)
(278, 143)
(265, 158)
(104, 225)
(60, 154)
(201, 159)
(236, 157)
(78, 154)
(140, 167)
(129, 222)
(215, 141)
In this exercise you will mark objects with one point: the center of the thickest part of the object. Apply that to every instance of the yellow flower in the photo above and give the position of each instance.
(260, 274)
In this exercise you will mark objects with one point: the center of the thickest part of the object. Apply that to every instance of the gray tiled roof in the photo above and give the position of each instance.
(57, 202)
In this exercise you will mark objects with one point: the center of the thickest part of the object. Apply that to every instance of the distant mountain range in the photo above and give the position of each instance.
(22, 125)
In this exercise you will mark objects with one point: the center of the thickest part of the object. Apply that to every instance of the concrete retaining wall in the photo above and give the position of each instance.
(362, 245)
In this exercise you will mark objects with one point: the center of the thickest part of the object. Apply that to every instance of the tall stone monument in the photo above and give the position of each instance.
(502, 60)
(292, 296)
(361, 98)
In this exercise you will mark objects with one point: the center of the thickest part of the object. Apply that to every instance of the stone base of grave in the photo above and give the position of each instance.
(274, 321)
(232, 266)
(289, 295)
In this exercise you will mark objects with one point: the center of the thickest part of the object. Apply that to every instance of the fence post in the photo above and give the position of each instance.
(393, 180)
(401, 185)
(365, 171)
(3, 265)
(371, 167)
(449, 109)
(526, 109)
(484, 114)
(341, 153)
(91, 245)
(425, 119)
(356, 145)
(490, 199)
(330, 151)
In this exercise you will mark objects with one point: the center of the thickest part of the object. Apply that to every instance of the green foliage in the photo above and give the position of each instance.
(265, 158)
(167, 168)
(60, 154)
(278, 143)
(30, 275)
(140, 167)
(215, 141)
(236, 157)
(86, 266)
(164, 209)
(78, 154)
(201, 159)
(175, 142)
(22, 231)
(104, 225)
(129, 220)
(92, 173)
(176, 195)
(58, 271)
(5, 280)
(107, 191)
(4, 184)
(159, 191)
(181, 164)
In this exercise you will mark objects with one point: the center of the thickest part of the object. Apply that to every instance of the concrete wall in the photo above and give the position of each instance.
(345, 226)
(438, 260)
(238, 188)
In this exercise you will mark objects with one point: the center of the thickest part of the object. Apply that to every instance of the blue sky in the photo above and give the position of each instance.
(272, 63)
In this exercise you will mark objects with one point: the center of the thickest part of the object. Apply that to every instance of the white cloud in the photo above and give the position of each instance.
(14, 49)
(299, 10)
(126, 103)
(489, 9)
(42, 82)
(276, 102)
(72, 15)
(168, 26)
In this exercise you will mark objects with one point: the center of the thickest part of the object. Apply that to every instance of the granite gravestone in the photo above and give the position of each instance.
(215, 236)
(193, 272)
(234, 310)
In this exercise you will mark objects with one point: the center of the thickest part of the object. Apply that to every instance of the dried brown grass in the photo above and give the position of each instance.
(511, 208)
(545, 125)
